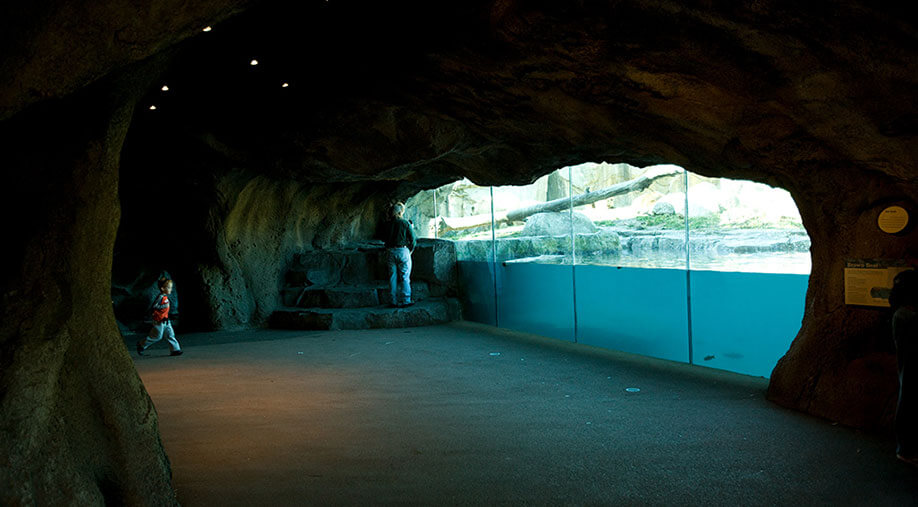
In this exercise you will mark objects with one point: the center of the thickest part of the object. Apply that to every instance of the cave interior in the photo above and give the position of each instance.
(235, 168)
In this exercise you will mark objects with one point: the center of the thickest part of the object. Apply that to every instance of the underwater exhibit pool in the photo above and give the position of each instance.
(731, 320)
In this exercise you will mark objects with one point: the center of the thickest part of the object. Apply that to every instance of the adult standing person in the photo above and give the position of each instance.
(400, 243)
(903, 299)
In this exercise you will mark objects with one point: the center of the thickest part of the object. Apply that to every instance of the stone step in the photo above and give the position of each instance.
(347, 296)
(419, 292)
(433, 261)
(423, 313)
(338, 267)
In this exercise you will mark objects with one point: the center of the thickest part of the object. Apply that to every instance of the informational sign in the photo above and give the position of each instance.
(892, 219)
(867, 282)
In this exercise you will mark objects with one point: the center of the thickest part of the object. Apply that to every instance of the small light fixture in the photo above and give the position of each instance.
(206, 29)
(152, 108)
(165, 88)
(253, 63)
(285, 85)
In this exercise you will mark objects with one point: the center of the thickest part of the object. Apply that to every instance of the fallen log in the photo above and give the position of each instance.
(447, 224)
(639, 183)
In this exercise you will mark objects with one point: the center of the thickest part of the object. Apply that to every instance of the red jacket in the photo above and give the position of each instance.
(161, 308)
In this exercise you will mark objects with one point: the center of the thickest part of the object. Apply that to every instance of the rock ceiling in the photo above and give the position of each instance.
(504, 91)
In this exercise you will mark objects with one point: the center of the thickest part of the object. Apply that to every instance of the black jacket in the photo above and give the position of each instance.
(398, 233)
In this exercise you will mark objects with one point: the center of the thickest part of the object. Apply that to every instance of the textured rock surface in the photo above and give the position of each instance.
(386, 99)
(556, 224)
(434, 261)
(76, 425)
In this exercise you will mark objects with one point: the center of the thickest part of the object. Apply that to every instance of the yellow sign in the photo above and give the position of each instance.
(893, 219)
(868, 282)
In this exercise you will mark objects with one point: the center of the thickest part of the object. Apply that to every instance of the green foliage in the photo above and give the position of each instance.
(673, 221)
(708, 222)
(790, 223)
(704, 223)
(677, 221)
(758, 223)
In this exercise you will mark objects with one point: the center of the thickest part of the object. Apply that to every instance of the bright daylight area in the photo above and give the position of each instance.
(623, 216)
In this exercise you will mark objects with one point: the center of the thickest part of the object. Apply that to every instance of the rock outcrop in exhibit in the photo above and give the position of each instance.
(131, 140)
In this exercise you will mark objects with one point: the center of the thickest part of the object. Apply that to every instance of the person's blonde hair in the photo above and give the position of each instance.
(163, 281)
(398, 209)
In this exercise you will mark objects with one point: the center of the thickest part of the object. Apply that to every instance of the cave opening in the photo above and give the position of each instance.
(606, 255)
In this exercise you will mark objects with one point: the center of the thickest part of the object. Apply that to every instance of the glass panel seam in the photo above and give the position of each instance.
(570, 198)
(494, 261)
(688, 269)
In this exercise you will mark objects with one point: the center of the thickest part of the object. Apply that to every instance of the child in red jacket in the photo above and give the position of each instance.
(161, 324)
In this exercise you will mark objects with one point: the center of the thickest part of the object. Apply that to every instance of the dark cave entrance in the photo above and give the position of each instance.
(168, 198)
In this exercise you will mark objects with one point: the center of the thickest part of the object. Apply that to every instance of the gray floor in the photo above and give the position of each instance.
(469, 414)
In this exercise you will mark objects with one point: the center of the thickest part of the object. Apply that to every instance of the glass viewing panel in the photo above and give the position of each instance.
(423, 211)
(533, 253)
(745, 322)
(737, 225)
(747, 264)
(463, 215)
(528, 228)
(624, 300)
(750, 260)
(637, 310)
(458, 211)
(625, 205)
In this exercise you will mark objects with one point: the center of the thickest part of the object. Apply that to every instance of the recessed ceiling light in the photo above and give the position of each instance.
(152, 108)
(165, 88)
(253, 63)
(206, 29)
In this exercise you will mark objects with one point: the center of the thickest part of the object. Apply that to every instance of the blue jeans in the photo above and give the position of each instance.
(399, 275)
(157, 332)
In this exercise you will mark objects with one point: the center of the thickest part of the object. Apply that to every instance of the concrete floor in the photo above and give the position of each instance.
(470, 414)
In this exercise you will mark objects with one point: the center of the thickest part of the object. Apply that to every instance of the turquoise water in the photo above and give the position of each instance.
(536, 298)
(642, 311)
(741, 322)
(745, 322)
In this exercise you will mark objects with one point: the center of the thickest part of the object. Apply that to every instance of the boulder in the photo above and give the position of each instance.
(663, 208)
(557, 224)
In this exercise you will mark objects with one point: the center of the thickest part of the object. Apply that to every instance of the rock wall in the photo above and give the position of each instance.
(76, 425)
(229, 235)
(841, 365)
(266, 224)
